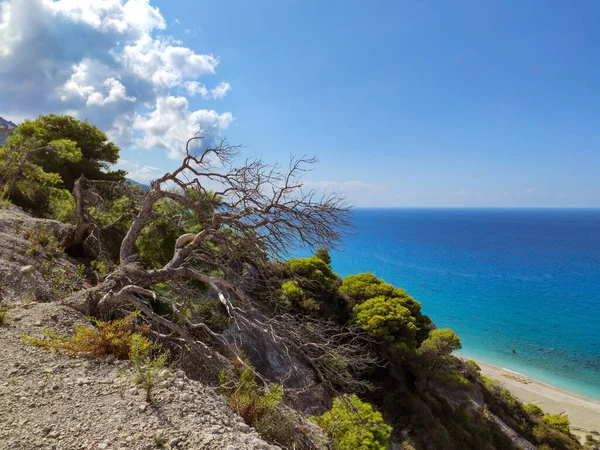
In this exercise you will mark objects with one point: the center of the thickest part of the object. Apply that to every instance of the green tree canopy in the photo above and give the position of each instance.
(440, 343)
(365, 286)
(355, 425)
(22, 177)
(323, 255)
(388, 319)
(97, 153)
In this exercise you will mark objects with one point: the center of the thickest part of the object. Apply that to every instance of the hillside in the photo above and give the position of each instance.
(49, 400)
(6, 129)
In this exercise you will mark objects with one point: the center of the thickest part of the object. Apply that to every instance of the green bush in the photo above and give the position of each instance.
(557, 422)
(312, 269)
(105, 338)
(148, 370)
(61, 205)
(389, 320)
(355, 425)
(244, 395)
(533, 410)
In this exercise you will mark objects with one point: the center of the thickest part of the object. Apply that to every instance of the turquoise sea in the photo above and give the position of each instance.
(504, 279)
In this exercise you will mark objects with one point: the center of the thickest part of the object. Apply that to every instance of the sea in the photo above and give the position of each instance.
(521, 287)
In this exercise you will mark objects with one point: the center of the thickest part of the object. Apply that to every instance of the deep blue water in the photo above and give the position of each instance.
(503, 279)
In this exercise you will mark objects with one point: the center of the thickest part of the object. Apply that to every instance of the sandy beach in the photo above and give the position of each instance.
(583, 412)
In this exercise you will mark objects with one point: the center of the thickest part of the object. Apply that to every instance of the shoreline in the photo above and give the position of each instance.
(583, 412)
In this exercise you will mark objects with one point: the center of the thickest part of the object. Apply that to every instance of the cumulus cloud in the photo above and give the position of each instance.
(145, 174)
(171, 123)
(219, 91)
(102, 60)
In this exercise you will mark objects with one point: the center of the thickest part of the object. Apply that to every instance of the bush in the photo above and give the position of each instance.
(42, 241)
(106, 338)
(245, 396)
(61, 205)
(147, 370)
(388, 320)
(3, 316)
(557, 422)
(355, 425)
(533, 410)
(312, 269)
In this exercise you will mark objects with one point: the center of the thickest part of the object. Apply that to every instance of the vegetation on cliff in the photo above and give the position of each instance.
(206, 270)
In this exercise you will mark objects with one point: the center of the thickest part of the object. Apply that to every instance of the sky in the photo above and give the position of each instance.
(405, 103)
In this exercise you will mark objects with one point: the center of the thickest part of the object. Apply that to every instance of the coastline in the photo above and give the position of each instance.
(583, 412)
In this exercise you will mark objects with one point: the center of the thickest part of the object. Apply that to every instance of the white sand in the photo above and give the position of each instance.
(583, 413)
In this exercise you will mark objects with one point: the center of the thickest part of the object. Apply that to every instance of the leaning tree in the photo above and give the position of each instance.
(244, 215)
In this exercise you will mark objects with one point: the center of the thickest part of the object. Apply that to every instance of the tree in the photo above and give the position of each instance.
(355, 425)
(20, 172)
(323, 255)
(365, 286)
(97, 153)
(255, 212)
(388, 319)
(439, 345)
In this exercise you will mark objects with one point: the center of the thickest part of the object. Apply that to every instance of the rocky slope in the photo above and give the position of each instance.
(6, 129)
(51, 401)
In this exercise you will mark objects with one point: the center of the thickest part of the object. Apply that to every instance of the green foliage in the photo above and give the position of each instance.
(61, 205)
(63, 280)
(251, 401)
(388, 319)
(323, 255)
(42, 241)
(355, 425)
(533, 410)
(24, 178)
(3, 316)
(366, 286)
(5, 203)
(294, 296)
(473, 365)
(105, 338)
(96, 152)
(101, 267)
(440, 343)
(557, 422)
(148, 370)
(313, 270)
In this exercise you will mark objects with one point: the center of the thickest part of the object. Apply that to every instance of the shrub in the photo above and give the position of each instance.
(3, 316)
(388, 320)
(4, 203)
(323, 255)
(42, 241)
(106, 338)
(245, 396)
(473, 365)
(312, 269)
(557, 422)
(533, 410)
(355, 425)
(147, 370)
(61, 205)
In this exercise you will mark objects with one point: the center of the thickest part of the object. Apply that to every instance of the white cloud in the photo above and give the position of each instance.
(146, 173)
(193, 88)
(220, 90)
(102, 60)
(530, 190)
(171, 124)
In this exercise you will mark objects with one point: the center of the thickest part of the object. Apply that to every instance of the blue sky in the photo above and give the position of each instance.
(405, 103)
